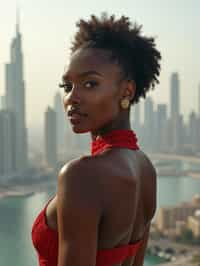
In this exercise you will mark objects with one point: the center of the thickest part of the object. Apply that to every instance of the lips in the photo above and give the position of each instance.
(75, 113)
(75, 116)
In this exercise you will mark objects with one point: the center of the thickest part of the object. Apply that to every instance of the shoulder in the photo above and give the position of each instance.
(79, 212)
(89, 167)
(78, 168)
(80, 178)
(147, 164)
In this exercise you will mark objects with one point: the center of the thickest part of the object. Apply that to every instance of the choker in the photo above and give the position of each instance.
(122, 138)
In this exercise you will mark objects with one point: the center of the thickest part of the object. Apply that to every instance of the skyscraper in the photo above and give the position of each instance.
(148, 112)
(149, 124)
(174, 95)
(193, 130)
(199, 101)
(50, 137)
(2, 102)
(160, 127)
(15, 98)
(60, 121)
(136, 117)
(7, 142)
(176, 120)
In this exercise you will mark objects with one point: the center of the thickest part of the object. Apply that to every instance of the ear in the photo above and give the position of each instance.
(129, 89)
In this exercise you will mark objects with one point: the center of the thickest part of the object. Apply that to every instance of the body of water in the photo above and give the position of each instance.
(18, 214)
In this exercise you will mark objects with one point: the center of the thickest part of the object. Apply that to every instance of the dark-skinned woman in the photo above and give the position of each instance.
(102, 211)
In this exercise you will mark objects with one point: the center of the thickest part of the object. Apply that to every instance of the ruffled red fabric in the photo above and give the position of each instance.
(122, 138)
(45, 239)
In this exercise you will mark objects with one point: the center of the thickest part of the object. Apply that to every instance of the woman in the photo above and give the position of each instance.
(105, 202)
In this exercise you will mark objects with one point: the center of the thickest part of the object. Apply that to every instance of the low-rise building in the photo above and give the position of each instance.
(167, 217)
(193, 223)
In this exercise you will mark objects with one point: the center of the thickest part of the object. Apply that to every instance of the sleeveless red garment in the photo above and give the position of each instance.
(45, 239)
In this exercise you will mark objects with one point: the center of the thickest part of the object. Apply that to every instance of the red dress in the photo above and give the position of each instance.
(45, 239)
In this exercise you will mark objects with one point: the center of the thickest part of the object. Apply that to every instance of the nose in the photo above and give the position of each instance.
(72, 97)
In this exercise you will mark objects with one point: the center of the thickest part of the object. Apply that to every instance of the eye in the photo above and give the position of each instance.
(90, 84)
(67, 86)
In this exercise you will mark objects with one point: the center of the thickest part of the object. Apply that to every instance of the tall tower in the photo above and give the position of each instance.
(7, 142)
(2, 102)
(50, 137)
(60, 121)
(199, 101)
(174, 95)
(160, 127)
(15, 97)
(136, 117)
(149, 124)
(176, 120)
(148, 114)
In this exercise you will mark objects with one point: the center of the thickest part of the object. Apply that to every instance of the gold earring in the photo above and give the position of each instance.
(125, 103)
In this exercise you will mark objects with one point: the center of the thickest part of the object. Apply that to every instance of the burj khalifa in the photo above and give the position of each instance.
(15, 99)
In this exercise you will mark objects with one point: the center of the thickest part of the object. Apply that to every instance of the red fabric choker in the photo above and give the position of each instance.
(122, 138)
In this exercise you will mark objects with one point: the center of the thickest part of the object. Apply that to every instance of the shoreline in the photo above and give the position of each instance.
(8, 194)
(12, 189)
(17, 188)
(159, 247)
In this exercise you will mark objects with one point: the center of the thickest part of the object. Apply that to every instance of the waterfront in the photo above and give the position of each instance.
(18, 214)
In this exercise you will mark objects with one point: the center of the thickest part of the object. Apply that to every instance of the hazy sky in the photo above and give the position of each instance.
(48, 27)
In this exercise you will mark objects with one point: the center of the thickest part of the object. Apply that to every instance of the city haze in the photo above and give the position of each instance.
(48, 29)
(36, 140)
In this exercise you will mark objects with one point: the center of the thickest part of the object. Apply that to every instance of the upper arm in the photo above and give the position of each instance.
(78, 214)
(139, 258)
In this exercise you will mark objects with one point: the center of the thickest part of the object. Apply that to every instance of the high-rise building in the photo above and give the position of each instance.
(193, 131)
(60, 120)
(136, 118)
(7, 142)
(177, 129)
(174, 95)
(176, 126)
(148, 111)
(50, 137)
(15, 98)
(2, 102)
(199, 101)
(149, 124)
(161, 127)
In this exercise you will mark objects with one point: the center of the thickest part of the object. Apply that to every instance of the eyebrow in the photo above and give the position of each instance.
(83, 74)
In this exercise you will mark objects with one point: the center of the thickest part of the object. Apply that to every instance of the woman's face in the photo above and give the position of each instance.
(92, 91)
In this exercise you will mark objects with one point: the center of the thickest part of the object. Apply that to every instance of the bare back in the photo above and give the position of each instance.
(128, 188)
(130, 193)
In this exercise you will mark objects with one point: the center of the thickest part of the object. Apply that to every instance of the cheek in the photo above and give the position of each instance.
(105, 108)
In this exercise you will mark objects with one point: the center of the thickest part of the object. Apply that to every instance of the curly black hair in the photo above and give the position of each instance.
(136, 54)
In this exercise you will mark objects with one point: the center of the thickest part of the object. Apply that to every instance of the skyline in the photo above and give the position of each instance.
(41, 73)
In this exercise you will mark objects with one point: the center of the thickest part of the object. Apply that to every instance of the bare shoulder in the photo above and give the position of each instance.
(80, 177)
(79, 168)
(147, 164)
(79, 212)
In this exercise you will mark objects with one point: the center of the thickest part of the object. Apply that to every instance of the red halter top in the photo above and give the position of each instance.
(45, 239)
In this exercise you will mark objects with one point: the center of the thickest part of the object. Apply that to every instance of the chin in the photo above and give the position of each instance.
(79, 130)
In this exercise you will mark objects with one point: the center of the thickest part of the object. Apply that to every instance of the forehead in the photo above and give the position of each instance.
(92, 60)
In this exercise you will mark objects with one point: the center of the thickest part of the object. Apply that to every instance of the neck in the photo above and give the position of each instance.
(121, 123)
(120, 138)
